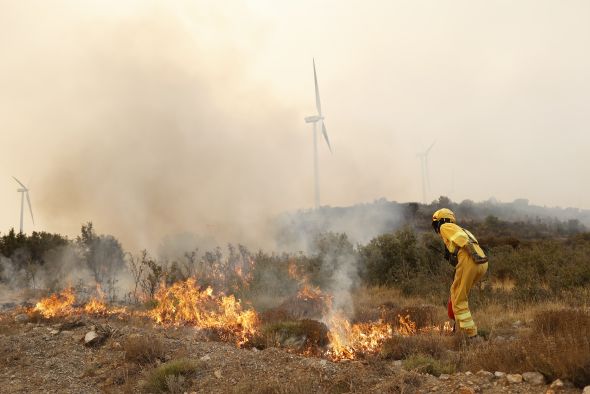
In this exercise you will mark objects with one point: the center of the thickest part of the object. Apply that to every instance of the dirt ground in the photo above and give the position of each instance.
(50, 356)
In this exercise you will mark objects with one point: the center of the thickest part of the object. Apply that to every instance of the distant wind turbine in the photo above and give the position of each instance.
(315, 119)
(24, 191)
(423, 156)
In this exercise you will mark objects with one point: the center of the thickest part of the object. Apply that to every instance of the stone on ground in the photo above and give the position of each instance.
(534, 378)
(514, 378)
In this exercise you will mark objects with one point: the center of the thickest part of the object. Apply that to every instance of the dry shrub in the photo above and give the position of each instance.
(275, 315)
(552, 321)
(167, 377)
(313, 334)
(558, 346)
(143, 349)
(368, 314)
(422, 315)
(305, 308)
(423, 363)
(400, 347)
(36, 316)
(403, 382)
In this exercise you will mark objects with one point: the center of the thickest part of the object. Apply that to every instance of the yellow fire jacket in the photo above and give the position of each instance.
(456, 238)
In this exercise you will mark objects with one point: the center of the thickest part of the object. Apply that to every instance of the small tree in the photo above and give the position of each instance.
(136, 269)
(154, 275)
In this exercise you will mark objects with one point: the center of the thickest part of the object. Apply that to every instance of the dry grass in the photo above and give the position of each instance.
(373, 297)
(401, 347)
(499, 316)
(300, 386)
(143, 349)
(557, 345)
(404, 382)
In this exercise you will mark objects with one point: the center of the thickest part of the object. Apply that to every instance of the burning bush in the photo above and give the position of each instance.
(184, 303)
(61, 304)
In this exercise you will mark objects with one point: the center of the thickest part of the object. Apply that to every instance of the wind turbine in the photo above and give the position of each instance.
(423, 156)
(315, 119)
(24, 191)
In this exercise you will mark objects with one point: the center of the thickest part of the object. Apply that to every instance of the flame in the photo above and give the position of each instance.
(311, 295)
(184, 303)
(347, 340)
(406, 326)
(62, 304)
(96, 307)
(57, 304)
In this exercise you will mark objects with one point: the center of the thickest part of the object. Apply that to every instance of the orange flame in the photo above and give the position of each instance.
(348, 340)
(57, 304)
(184, 303)
(96, 307)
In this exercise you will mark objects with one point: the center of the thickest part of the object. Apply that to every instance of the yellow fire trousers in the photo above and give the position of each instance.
(467, 273)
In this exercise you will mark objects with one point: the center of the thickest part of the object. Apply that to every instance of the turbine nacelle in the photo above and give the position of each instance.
(313, 119)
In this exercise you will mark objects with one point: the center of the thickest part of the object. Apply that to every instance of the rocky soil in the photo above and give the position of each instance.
(60, 356)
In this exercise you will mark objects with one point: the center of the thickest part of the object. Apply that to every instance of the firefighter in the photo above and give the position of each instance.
(463, 251)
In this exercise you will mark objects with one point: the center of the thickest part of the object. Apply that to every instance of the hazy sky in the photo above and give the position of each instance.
(155, 117)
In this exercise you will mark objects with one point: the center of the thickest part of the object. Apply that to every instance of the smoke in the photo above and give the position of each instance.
(344, 279)
(153, 125)
(297, 231)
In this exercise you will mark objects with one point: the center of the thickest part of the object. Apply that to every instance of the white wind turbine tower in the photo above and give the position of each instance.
(315, 119)
(24, 191)
(424, 167)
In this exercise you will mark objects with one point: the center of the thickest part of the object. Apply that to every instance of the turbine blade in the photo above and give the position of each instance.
(318, 105)
(325, 133)
(427, 173)
(430, 147)
(19, 182)
(30, 208)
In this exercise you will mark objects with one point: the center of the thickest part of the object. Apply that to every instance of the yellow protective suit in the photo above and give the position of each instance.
(467, 273)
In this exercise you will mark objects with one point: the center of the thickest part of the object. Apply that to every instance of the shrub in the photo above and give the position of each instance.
(313, 333)
(159, 378)
(143, 350)
(427, 364)
(400, 347)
